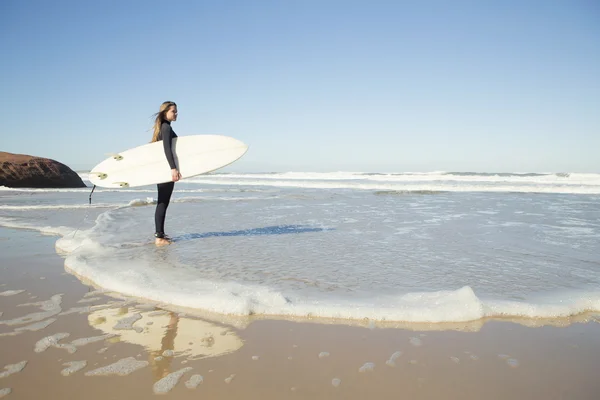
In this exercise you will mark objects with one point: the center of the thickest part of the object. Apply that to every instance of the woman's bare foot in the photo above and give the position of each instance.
(162, 241)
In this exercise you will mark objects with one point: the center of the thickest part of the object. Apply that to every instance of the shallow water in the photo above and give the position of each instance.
(412, 247)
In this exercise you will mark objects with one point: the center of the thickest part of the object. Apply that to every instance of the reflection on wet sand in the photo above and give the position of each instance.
(166, 335)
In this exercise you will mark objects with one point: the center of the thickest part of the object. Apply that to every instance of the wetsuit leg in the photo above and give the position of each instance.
(164, 197)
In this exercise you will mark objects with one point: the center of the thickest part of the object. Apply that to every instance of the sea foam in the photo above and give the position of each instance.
(91, 259)
(387, 236)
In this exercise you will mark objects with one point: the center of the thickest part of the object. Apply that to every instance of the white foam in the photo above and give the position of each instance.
(124, 366)
(95, 292)
(11, 292)
(45, 305)
(142, 202)
(423, 187)
(92, 257)
(13, 369)
(55, 206)
(232, 298)
(45, 230)
(222, 198)
(435, 181)
(167, 383)
(187, 289)
(51, 308)
(5, 392)
(335, 382)
(367, 367)
(49, 341)
(38, 326)
(89, 300)
(72, 347)
(559, 305)
(9, 189)
(72, 190)
(392, 360)
(76, 310)
(72, 367)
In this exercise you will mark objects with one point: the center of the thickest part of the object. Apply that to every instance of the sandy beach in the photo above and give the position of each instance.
(300, 200)
(60, 338)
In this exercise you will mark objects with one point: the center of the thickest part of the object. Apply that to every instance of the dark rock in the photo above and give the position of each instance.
(20, 171)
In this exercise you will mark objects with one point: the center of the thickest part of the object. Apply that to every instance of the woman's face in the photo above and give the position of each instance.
(171, 114)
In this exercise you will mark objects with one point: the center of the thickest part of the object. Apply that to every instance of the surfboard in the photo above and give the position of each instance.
(147, 164)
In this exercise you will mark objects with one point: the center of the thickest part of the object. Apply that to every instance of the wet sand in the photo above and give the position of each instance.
(175, 354)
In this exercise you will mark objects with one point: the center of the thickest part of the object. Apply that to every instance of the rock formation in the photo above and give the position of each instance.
(20, 171)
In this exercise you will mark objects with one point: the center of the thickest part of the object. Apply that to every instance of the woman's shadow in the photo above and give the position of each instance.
(267, 230)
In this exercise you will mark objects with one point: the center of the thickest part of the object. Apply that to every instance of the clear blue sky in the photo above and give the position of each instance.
(310, 85)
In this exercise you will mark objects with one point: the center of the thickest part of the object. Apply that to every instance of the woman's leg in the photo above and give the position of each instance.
(164, 197)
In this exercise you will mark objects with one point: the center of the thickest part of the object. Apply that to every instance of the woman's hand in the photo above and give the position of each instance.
(175, 175)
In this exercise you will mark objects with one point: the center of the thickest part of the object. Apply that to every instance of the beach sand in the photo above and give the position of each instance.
(175, 354)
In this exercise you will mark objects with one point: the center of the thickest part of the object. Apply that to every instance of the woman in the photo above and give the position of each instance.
(163, 131)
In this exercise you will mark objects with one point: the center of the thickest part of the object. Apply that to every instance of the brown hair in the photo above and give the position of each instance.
(160, 118)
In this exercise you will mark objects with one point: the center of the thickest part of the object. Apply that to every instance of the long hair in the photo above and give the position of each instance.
(160, 118)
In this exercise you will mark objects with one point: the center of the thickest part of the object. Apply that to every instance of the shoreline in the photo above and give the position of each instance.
(471, 325)
(266, 358)
(474, 325)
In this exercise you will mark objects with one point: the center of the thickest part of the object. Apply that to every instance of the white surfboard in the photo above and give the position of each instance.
(147, 164)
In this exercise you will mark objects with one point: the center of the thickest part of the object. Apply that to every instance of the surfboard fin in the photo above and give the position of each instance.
(116, 156)
(122, 184)
(100, 175)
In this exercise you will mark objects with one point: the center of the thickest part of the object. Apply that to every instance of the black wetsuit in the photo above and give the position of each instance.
(164, 189)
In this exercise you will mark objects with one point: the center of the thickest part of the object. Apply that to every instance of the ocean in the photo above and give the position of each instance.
(415, 247)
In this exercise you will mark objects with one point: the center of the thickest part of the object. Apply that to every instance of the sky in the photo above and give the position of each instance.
(310, 85)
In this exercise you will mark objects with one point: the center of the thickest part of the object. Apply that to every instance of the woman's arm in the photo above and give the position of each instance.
(167, 137)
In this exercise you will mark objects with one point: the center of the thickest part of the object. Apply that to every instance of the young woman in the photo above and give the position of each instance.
(163, 131)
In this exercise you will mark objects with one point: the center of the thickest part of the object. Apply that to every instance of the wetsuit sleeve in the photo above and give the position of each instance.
(167, 137)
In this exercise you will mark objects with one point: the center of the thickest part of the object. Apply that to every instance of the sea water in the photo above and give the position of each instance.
(423, 247)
